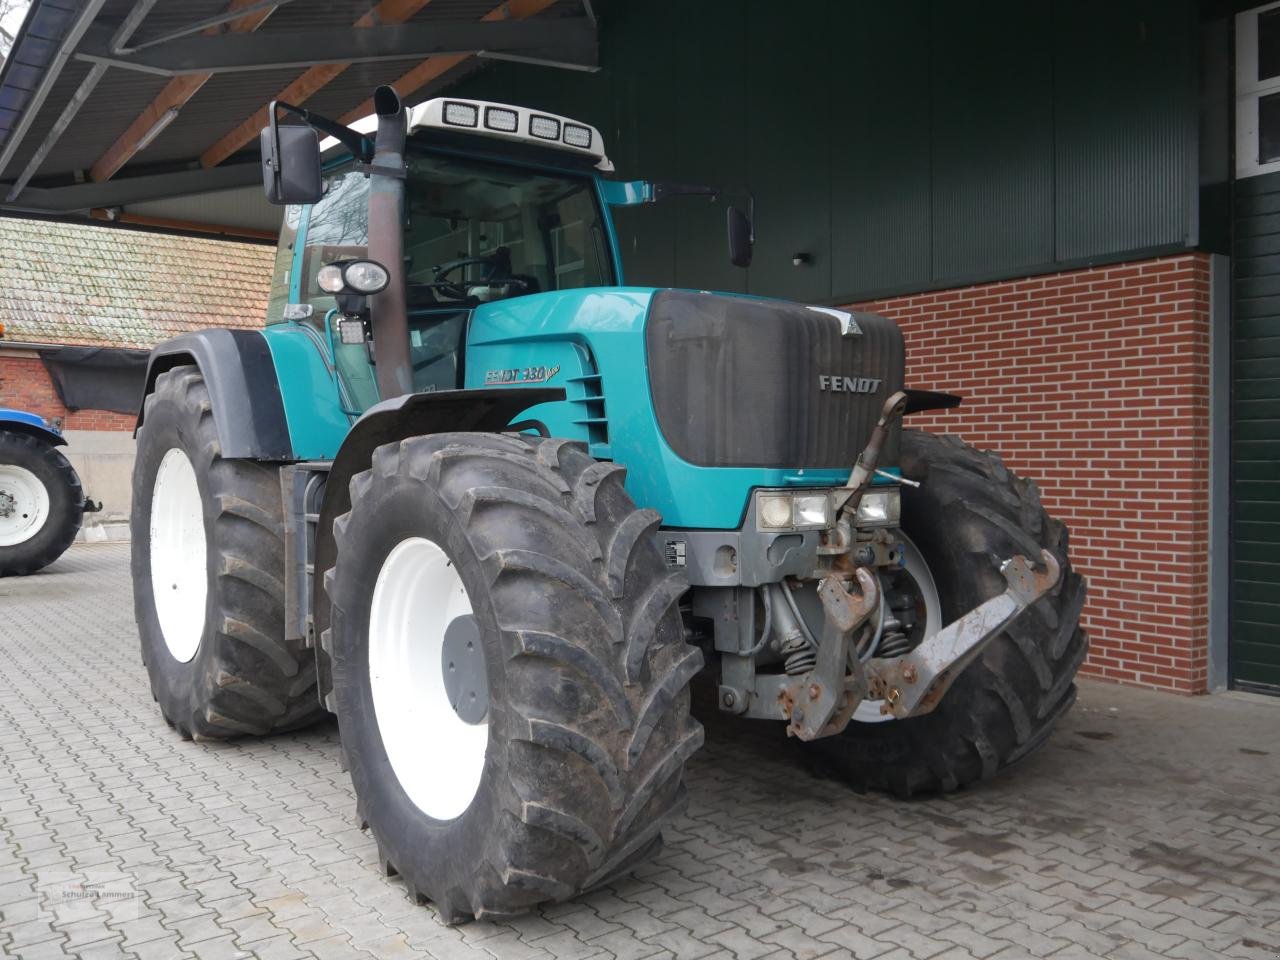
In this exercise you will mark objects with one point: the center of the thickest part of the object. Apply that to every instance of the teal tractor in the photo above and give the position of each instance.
(495, 510)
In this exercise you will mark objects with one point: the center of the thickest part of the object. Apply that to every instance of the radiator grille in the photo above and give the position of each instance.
(735, 381)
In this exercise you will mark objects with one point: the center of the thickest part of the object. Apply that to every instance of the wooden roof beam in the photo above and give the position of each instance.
(174, 96)
(307, 83)
(434, 67)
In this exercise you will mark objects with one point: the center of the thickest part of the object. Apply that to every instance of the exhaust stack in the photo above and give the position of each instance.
(389, 309)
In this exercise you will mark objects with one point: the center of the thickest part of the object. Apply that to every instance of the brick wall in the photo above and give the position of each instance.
(1095, 383)
(25, 385)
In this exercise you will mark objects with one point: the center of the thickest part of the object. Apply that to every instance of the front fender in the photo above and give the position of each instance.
(244, 389)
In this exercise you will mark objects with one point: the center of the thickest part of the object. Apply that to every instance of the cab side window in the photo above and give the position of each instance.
(338, 229)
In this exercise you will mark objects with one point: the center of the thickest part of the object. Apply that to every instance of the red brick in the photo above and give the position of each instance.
(1094, 383)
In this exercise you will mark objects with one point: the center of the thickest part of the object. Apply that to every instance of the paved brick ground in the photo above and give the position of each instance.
(1150, 826)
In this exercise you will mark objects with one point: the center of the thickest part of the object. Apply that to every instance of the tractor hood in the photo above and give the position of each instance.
(746, 382)
(703, 396)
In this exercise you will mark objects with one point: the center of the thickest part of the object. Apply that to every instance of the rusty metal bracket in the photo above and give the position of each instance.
(865, 467)
(821, 702)
(915, 684)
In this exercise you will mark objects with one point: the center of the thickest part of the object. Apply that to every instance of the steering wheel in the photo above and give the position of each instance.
(499, 260)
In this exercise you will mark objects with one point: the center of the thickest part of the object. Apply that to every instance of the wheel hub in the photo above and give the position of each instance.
(466, 683)
(24, 505)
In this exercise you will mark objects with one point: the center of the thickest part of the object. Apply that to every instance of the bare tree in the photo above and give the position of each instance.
(11, 14)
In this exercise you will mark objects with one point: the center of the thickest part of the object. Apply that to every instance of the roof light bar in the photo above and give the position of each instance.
(461, 114)
(543, 127)
(576, 135)
(501, 119)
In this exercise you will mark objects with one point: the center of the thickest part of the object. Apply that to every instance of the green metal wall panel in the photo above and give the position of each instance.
(881, 240)
(992, 129)
(903, 146)
(1125, 114)
(1255, 435)
(709, 128)
(788, 127)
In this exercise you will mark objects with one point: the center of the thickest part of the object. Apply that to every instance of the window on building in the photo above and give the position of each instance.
(1258, 91)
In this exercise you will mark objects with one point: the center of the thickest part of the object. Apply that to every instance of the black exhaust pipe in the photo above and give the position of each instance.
(389, 309)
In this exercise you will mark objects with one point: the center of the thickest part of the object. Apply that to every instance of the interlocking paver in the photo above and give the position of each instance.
(1152, 835)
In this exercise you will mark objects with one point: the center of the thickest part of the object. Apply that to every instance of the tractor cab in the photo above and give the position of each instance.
(498, 202)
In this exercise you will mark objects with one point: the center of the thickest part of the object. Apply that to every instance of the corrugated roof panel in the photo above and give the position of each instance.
(223, 102)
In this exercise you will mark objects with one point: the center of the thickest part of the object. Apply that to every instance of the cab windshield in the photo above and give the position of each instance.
(484, 231)
(474, 231)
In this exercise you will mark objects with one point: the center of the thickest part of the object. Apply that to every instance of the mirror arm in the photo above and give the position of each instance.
(357, 143)
(660, 191)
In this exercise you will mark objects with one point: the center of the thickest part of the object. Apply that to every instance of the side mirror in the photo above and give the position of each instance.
(291, 170)
(741, 237)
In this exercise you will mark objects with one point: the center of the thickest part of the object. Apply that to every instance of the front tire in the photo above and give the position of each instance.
(531, 549)
(41, 504)
(969, 514)
(208, 557)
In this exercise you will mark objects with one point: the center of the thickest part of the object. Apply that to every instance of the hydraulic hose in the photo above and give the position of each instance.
(795, 610)
(768, 623)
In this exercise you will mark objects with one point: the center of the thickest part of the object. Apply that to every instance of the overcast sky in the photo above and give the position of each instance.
(11, 14)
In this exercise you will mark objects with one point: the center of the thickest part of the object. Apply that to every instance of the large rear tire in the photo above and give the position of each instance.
(41, 504)
(532, 549)
(969, 514)
(208, 558)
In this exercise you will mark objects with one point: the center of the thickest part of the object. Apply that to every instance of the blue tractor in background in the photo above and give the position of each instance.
(497, 511)
(41, 501)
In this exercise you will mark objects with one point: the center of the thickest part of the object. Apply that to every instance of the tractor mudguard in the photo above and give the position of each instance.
(244, 389)
(31, 425)
(483, 410)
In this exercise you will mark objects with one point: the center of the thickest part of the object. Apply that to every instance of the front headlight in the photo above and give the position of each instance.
(365, 276)
(774, 511)
(794, 511)
(329, 278)
(811, 512)
(879, 508)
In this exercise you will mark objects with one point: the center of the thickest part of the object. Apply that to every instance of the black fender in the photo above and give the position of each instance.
(484, 410)
(244, 389)
(920, 400)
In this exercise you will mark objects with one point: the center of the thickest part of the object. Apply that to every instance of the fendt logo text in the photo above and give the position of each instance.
(848, 384)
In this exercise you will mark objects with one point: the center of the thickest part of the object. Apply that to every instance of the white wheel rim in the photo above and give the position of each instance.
(437, 757)
(179, 564)
(24, 505)
(868, 711)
